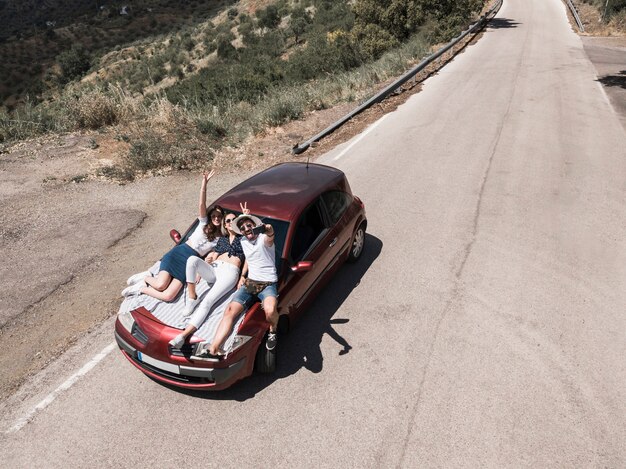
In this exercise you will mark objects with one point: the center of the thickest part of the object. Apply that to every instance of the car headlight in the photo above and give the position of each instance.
(127, 320)
(239, 341)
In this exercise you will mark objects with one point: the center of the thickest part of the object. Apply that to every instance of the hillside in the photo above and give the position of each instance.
(173, 86)
(33, 33)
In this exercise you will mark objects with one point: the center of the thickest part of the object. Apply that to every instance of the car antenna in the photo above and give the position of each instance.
(307, 162)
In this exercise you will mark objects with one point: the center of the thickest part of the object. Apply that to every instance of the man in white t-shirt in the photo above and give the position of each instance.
(258, 246)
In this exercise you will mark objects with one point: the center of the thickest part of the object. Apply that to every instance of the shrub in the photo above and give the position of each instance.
(148, 152)
(373, 40)
(268, 18)
(225, 50)
(122, 173)
(282, 108)
(74, 63)
(92, 109)
(232, 13)
(211, 129)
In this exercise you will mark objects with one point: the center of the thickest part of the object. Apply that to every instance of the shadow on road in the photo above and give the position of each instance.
(502, 23)
(614, 80)
(301, 347)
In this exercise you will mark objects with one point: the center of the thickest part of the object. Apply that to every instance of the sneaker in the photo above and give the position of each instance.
(202, 352)
(270, 343)
(191, 305)
(133, 279)
(133, 289)
(178, 341)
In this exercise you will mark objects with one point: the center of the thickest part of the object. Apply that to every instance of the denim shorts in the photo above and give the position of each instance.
(242, 296)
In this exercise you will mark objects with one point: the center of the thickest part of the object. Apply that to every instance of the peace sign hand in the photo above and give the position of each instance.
(206, 175)
(244, 208)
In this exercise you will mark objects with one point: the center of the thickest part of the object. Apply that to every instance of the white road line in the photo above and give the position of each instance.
(63, 387)
(358, 139)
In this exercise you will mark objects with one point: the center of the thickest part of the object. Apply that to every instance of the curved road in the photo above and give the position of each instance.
(485, 325)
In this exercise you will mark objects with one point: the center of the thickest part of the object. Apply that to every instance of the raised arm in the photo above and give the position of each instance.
(202, 203)
(269, 235)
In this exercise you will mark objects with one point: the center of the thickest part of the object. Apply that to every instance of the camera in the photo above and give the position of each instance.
(258, 229)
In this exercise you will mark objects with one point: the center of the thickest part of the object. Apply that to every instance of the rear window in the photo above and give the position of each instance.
(336, 204)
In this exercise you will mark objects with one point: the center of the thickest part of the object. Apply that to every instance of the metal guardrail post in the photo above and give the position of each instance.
(302, 147)
(574, 11)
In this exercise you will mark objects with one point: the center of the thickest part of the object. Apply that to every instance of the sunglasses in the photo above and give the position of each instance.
(228, 220)
(246, 226)
(216, 215)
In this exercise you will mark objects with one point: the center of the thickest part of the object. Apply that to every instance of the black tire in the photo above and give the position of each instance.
(358, 243)
(265, 361)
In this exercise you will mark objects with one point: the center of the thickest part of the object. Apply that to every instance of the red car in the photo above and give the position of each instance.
(318, 223)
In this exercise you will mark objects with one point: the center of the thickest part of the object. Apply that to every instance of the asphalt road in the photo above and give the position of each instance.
(484, 325)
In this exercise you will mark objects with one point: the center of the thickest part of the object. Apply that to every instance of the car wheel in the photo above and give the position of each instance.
(358, 242)
(265, 361)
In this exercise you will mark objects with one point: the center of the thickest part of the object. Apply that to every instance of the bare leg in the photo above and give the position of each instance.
(226, 324)
(189, 330)
(271, 314)
(160, 282)
(166, 295)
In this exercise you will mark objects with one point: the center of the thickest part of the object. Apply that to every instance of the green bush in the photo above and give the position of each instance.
(268, 18)
(373, 40)
(232, 13)
(225, 50)
(211, 129)
(74, 63)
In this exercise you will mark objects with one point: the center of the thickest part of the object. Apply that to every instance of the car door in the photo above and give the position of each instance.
(310, 236)
(336, 204)
(317, 241)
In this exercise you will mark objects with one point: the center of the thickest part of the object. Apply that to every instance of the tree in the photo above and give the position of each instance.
(225, 50)
(299, 22)
(74, 63)
(268, 17)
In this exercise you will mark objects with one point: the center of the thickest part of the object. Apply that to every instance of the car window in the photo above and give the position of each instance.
(309, 228)
(336, 204)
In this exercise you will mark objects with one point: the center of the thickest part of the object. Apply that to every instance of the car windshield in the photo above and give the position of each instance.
(280, 230)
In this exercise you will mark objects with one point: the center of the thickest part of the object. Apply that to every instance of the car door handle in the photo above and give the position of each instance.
(332, 243)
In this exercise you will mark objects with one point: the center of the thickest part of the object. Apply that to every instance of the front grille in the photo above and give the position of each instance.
(138, 334)
(186, 350)
(172, 376)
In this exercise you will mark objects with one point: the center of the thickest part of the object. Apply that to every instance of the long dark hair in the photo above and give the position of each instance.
(210, 230)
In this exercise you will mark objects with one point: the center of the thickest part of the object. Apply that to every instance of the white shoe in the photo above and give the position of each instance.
(191, 305)
(133, 279)
(133, 289)
(178, 341)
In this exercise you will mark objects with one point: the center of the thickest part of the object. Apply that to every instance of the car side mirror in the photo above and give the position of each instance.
(302, 266)
(175, 235)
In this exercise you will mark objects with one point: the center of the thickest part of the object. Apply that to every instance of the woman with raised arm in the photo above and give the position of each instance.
(221, 269)
(171, 277)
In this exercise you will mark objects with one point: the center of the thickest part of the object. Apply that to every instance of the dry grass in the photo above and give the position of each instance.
(594, 26)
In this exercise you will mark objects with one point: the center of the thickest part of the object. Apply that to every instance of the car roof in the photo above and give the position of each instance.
(284, 190)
